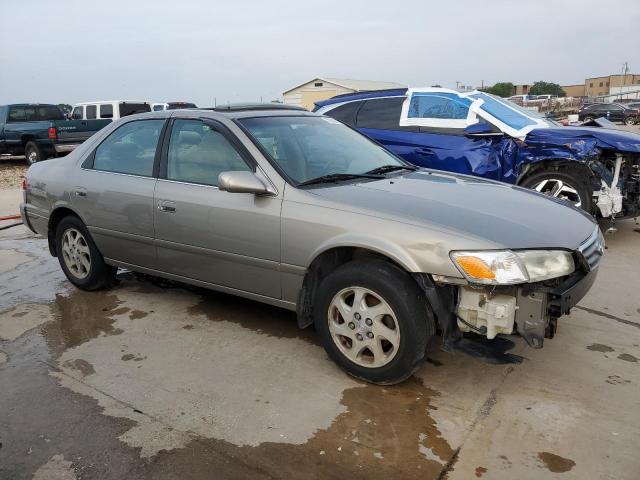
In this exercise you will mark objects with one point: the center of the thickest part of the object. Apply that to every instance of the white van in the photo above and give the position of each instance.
(158, 107)
(112, 109)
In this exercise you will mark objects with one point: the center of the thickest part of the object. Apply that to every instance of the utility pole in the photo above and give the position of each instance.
(625, 70)
(457, 83)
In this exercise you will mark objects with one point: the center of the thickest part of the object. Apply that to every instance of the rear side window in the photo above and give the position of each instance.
(130, 149)
(133, 108)
(34, 113)
(383, 114)
(77, 113)
(198, 154)
(345, 113)
(91, 112)
(106, 111)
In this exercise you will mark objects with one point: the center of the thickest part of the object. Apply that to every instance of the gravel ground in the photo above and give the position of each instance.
(11, 173)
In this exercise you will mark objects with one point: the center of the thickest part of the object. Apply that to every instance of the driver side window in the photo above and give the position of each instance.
(199, 154)
(438, 105)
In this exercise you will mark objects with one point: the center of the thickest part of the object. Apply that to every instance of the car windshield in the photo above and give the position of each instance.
(510, 113)
(306, 147)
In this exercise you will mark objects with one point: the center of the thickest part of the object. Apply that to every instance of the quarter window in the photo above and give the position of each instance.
(77, 113)
(106, 111)
(91, 112)
(383, 114)
(130, 149)
(198, 154)
(345, 113)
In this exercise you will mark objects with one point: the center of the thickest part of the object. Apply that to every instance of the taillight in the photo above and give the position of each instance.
(53, 134)
(25, 184)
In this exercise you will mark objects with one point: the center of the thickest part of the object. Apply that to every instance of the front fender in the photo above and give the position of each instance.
(367, 242)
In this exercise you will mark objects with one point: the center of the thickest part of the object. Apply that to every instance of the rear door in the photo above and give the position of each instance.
(202, 233)
(114, 192)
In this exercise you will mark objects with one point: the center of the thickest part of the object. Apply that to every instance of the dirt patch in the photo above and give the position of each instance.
(555, 463)
(11, 173)
(480, 471)
(84, 367)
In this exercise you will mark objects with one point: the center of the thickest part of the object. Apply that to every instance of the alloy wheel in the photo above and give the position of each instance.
(364, 327)
(557, 188)
(76, 253)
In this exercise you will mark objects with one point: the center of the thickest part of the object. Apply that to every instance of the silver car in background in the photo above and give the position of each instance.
(297, 210)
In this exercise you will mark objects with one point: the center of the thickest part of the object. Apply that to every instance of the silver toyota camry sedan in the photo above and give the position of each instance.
(297, 210)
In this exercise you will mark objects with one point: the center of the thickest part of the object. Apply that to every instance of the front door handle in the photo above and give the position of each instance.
(165, 206)
(81, 192)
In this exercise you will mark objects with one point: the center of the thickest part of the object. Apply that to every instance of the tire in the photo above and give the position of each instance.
(587, 119)
(400, 339)
(32, 153)
(630, 121)
(79, 257)
(576, 187)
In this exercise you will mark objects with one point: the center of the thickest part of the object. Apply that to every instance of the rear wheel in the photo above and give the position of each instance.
(32, 153)
(373, 321)
(630, 121)
(588, 119)
(568, 184)
(79, 257)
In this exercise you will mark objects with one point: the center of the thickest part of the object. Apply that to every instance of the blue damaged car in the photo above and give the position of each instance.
(596, 169)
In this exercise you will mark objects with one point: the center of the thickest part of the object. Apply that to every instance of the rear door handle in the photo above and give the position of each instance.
(81, 192)
(165, 206)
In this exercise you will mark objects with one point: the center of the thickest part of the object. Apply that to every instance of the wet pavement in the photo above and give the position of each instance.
(158, 380)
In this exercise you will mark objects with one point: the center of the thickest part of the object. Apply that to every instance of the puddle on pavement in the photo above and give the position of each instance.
(385, 433)
(628, 357)
(555, 463)
(255, 316)
(599, 347)
(81, 316)
(36, 280)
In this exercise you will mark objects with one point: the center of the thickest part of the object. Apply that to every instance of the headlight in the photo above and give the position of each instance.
(545, 264)
(504, 267)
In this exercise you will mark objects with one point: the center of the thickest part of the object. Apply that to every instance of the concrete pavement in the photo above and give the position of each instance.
(159, 380)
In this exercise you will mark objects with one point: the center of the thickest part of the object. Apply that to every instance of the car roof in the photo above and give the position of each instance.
(259, 110)
(347, 97)
(31, 105)
(100, 102)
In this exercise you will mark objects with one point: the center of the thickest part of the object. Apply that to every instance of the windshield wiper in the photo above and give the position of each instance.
(392, 168)
(336, 177)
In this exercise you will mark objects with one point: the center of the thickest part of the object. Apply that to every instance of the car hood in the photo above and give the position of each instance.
(584, 139)
(505, 215)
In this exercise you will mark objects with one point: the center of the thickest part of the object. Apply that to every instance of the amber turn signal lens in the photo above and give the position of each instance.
(475, 268)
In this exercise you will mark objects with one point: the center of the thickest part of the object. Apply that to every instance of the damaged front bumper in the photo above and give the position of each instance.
(528, 310)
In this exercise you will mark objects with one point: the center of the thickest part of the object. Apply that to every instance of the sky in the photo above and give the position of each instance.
(203, 51)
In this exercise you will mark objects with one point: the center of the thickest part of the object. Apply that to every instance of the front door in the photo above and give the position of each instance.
(442, 147)
(113, 193)
(202, 233)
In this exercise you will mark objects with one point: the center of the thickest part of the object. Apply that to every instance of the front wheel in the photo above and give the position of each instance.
(568, 185)
(32, 153)
(79, 257)
(630, 121)
(373, 321)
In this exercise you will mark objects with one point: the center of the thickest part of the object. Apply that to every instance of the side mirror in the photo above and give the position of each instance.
(242, 182)
(480, 129)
